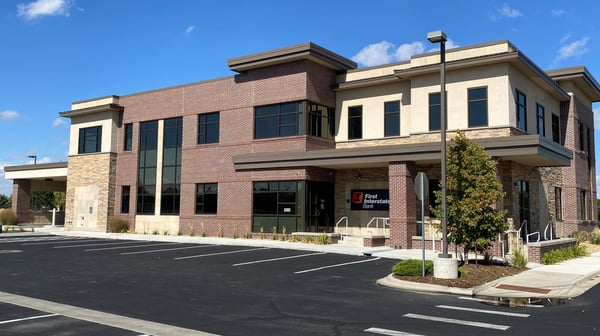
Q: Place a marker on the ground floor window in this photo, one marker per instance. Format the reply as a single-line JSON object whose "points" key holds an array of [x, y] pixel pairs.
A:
{"points": [[276, 206], [125, 194], [558, 203], [206, 198]]}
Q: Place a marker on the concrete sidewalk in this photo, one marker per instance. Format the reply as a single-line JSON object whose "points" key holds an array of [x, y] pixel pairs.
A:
{"points": [[564, 280]]}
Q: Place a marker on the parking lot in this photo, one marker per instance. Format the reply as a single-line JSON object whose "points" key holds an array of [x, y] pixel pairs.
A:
{"points": [[75, 286]]}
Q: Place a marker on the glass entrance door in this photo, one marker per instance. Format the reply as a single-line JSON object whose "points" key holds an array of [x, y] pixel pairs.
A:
{"points": [[320, 209]]}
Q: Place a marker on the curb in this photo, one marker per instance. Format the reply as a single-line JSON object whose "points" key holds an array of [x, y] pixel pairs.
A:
{"points": [[390, 281]]}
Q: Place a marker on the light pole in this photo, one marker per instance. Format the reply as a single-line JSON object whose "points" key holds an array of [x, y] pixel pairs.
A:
{"points": [[34, 157], [440, 37]]}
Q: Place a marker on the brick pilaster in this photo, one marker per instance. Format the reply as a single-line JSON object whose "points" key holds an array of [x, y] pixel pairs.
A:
{"points": [[403, 204]]}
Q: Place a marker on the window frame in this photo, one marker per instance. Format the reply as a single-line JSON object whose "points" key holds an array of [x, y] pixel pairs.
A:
{"points": [[355, 122], [200, 207], [558, 203], [125, 198], [540, 116], [556, 136], [435, 111], [521, 111], [94, 138], [128, 137], [207, 134], [282, 121], [391, 118], [473, 106]]}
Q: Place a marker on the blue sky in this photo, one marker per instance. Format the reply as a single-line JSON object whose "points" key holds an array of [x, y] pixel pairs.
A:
{"points": [[55, 52]]}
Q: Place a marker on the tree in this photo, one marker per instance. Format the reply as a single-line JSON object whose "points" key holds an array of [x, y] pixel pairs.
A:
{"points": [[5, 201], [472, 192]]}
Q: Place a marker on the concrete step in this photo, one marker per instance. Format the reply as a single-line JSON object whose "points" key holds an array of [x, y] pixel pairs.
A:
{"points": [[351, 241]]}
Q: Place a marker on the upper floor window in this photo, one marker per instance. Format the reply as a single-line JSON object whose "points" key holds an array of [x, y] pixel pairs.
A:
{"points": [[435, 119], [391, 118], [128, 139], [320, 121], [478, 110], [208, 128], [355, 122], [171, 166], [555, 128], [521, 111], [278, 120], [90, 140], [541, 119]]}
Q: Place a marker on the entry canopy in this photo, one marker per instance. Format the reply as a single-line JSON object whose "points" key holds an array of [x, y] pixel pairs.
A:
{"points": [[55, 171]]}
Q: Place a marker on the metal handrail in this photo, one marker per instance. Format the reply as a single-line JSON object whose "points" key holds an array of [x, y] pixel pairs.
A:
{"points": [[385, 222], [337, 225], [523, 225], [533, 234], [548, 225]]}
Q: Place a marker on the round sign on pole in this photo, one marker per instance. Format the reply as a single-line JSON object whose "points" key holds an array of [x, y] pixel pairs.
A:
{"points": [[422, 186]]}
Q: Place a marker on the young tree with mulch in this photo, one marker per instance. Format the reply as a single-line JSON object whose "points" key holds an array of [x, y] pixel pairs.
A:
{"points": [[472, 191]]}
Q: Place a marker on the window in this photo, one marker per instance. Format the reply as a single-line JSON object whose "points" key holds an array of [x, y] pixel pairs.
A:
{"points": [[582, 204], [208, 128], [582, 137], [555, 128], [355, 122], [391, 112], [90, 140], [171, 168], [146, 192], [558, 213], [435, 119], [275, 205], [125, 193], [521, 111], [206, 198], [478, 110], [127, 142], [320, 121], [278, 120], [541, 119]]}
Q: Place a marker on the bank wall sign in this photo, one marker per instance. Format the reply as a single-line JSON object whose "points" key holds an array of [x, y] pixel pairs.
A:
{"points": [[370, 199]]}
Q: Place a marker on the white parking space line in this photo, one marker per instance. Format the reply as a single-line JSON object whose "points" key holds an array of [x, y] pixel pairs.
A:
{"points": [[28, 318], [89, 245], [389, 332], [169, 249], [484, 311], [62, 241], [128, 247], [455, 321], [337, 265], [221, 253], [496, 302], [277, 259]]}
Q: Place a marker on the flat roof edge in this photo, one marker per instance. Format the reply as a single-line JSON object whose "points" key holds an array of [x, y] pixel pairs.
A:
{"points": [[38, 166]]}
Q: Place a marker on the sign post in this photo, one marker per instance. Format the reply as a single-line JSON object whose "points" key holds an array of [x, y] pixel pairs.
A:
{"points": [[422, 191]]}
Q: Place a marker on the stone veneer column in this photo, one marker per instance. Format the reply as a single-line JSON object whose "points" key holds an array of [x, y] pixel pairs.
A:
{"points": [[94, 175], [403, 204], [21, 196]]}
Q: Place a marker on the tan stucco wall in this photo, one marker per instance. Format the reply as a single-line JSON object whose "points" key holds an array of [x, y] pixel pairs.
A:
{"points": [[109, 123]]}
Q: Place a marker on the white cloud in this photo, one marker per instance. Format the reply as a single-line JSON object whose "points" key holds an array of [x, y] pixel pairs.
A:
{"points": [[8, 115], [190, 29], [558, 12], [374, 54], [573, 49], [406, 50], [386, 52], [39, 8], [58, 122], [505, 12]]}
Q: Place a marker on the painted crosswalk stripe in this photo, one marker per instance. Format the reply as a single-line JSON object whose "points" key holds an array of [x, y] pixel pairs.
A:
{"points": [[484, 311], [455, 321], [337, 265], [221, 253], [277, 259], [28, 318], [389, 332]]}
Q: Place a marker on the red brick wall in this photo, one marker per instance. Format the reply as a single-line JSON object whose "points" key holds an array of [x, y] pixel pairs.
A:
{"points": [[402, 204]]}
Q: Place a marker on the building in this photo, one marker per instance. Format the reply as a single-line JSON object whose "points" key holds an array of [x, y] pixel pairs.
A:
{"points": [[300, 140]]}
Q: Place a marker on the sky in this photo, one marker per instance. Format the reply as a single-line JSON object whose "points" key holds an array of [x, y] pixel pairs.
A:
{"points": [[55, 52]]}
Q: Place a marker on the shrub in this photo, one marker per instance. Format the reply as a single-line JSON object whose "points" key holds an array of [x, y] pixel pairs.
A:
{"points": [[412, 267], [518, 260], [563, 254], [323, 239], [8, 217], [118, 225]]}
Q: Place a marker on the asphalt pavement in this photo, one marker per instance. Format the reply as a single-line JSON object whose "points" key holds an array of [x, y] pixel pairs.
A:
{"points": [[568, 279]]}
